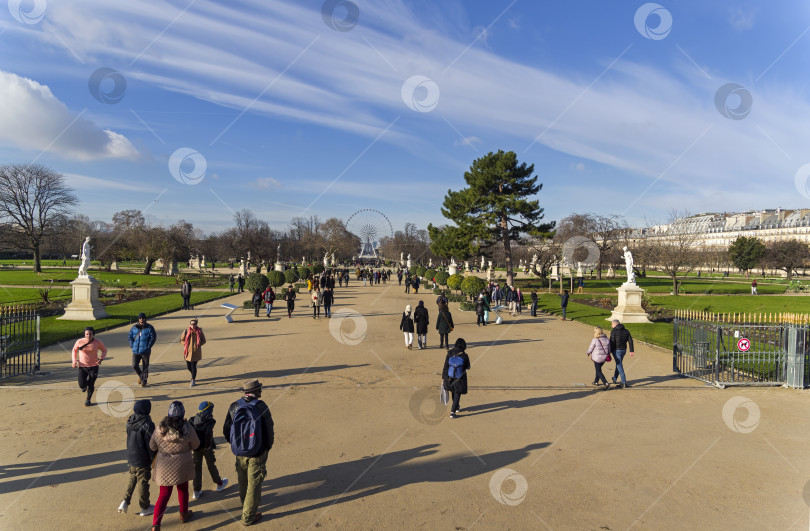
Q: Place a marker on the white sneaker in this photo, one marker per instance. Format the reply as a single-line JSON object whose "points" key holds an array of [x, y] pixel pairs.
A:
{"points": [[193, 383], [196, 495], [223, 486], [146, 512], [123, 507]]}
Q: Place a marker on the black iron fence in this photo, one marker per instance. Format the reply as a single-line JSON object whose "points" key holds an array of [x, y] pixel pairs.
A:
{"points": [[19, 341], [742, 349]]}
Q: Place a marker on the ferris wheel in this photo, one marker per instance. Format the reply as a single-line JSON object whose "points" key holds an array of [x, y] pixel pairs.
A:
{"points": [[370, 226]]}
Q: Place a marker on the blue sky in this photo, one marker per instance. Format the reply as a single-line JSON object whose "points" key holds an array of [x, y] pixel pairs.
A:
{"points": [[312, 107]]}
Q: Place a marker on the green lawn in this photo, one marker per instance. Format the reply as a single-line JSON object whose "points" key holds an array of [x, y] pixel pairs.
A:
{"points": [[663, 285], [737, 304], [31, 295], [54, 330], [112, 278], [656, 333]]}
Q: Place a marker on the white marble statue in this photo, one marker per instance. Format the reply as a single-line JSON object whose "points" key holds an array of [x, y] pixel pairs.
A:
{"points": [[85, 258], [482, 262], [409, 256], [628, 262]]}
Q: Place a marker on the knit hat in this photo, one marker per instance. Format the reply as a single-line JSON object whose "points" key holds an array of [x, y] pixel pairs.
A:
{"points": [[408, 309], [205, 406], [177, 410], [141, 315], [143, 407], [461, 344]]}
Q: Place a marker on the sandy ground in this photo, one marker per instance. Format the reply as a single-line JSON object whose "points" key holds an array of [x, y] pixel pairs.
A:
{"points": [[362, 442]]}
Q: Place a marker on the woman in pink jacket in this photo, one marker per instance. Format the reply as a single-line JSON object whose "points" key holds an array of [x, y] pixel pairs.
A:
{"points": [[599, 352], [85, 358]]}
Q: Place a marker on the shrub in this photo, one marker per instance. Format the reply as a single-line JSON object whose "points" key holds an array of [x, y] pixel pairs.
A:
{"points": [[280, 294], [421, 271], [305, 272], [256, 281], [456, 298], [413, 270], [318, 269], [472, 286], [454, 281], [276, 278], [441, 278], [430, 274], [291, 275], [467, 306]]}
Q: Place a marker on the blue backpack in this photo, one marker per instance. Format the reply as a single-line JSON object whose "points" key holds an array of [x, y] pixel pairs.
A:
{"points": [[456, 367], [246, 429]]}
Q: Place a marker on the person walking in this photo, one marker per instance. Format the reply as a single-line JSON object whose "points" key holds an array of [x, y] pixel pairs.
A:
{"points": [[240, 280], [231, 282], [479, 310], [599, 352], [139, 457], [203, 423], [620, 339], [415, 284], [85, 358], [563, 302], [317, 300], [328, 299], [250, 447], [192, 339], [173, 440], [580, 284], [408, 283], [269, 297], [754, 287], [487, 306], [185, 292], [421, 319], [142, 337], [444, 325], [406, 325], [454, 374], [399, 277], [256, 300], [534, 303], [441, 299], [290, 298]]}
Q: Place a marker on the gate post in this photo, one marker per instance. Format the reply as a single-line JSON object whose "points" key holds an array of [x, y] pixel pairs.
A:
{"points": [[717, 343], [675, 345], [795, 358]]}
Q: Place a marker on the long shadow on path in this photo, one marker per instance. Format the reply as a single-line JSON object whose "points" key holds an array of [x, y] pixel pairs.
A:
{"points": [[345, 482]]}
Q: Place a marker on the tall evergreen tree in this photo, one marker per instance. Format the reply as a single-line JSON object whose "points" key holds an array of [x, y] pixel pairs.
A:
{"points": [[495, 207], [746, 253]]}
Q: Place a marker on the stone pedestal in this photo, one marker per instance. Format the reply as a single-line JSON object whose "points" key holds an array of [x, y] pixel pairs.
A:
{"points": [[489, 274], [114, 265], [466, 266], [243, 267], [629, 309], [279, 267], [85, 305], [408, 264], [453, 269]]}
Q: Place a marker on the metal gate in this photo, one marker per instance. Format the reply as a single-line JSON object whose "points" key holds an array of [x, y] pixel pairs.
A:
{"points": [[19, 341], [742, 350]]}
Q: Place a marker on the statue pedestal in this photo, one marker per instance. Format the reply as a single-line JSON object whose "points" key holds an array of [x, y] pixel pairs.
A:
{"points": [[279, 267], [453, 269], [629, 309], [85, 305], [489, 275], [408, 263]]}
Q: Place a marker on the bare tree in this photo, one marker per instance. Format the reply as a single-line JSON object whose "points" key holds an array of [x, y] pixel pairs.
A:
{"points": [[788, 255], [605, 231], [675, 248], [32, 197]]}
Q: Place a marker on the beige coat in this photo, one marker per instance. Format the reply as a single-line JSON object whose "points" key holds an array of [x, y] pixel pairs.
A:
{"points": [[173, 463], [195, 351]]}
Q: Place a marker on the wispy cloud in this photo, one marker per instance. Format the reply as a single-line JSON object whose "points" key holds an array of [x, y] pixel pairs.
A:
{"points": [[741, 19], [84, 182], [264, 183]]}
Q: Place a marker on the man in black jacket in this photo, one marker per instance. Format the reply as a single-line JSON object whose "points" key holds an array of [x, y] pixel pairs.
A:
{"points": [[619, 339], [251, 471], [139, 457]]}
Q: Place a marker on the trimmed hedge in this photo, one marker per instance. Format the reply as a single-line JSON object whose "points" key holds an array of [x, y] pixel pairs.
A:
{"points": [[472, 286], [454, 281], [276, 278], [291, 276], [256, 281], [441, 278]]}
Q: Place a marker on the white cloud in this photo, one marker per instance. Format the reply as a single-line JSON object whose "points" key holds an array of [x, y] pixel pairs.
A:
{"points": [[84, 182], [33, 118], [467, 141], [741, 20], [264, 183]]}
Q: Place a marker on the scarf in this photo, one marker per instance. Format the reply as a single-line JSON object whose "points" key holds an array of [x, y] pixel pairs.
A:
{"points": [[192, 341]]}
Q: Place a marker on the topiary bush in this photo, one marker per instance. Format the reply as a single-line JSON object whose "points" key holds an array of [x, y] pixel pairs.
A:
{"points": [[467, 306], [441, 278], [318, 269], [420, 271], [305, 272], [256, 281], [291, 276], [281, 293], [413, 269], [472, 286], [276, 278], [430, 274], [454, 281]]}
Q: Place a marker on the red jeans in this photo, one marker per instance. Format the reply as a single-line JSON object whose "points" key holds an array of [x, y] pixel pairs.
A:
{"points": [[163, 500]]}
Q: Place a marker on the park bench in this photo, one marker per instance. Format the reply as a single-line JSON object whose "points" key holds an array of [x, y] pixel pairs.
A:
{"points": [[231, 308]]}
